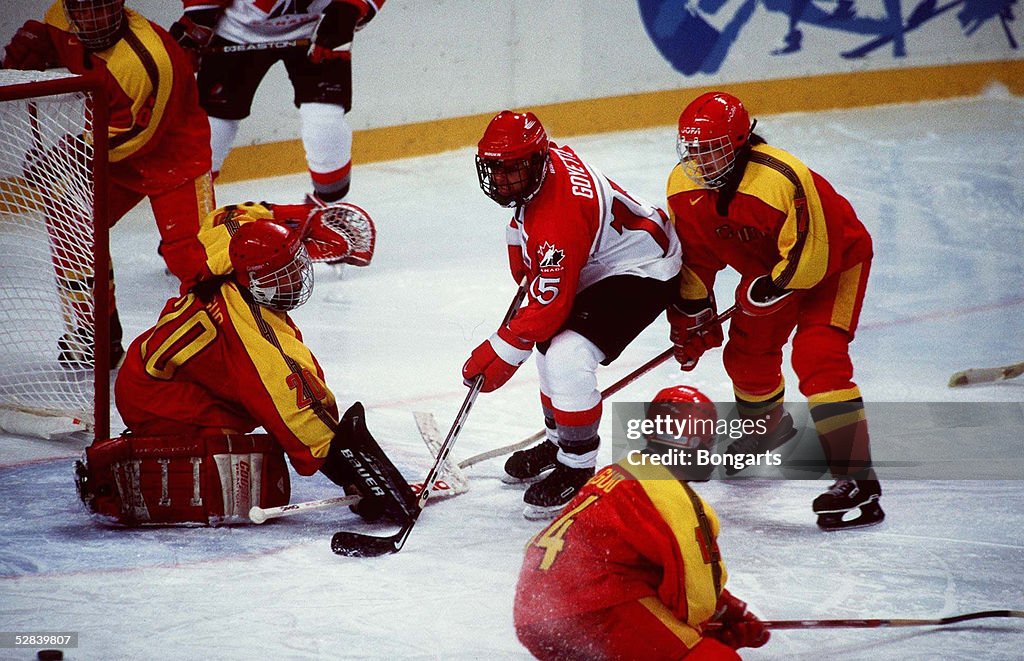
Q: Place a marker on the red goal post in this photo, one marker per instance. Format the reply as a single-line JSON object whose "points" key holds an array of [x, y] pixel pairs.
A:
{"points": [[54, 255]]}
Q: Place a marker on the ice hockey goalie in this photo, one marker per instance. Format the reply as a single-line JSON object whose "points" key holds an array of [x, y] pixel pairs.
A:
{"points": [[161, 480]]}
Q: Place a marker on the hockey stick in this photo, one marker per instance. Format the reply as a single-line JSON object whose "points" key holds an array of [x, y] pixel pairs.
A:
{"points": [[266, 45], [358, 545], [975, 375], [882, 623], [259, 514], [605, 394]]}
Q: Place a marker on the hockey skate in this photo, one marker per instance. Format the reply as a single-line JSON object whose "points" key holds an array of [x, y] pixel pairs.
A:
{"points": [[845, 496], [545, 499], [757, 443], [528, 465]]}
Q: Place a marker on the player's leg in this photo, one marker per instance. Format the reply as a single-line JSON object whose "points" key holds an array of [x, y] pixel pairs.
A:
{"points": [[530, 464], [605, 318], [821, 359], [753, 359], [323, 95], [227, 83]]}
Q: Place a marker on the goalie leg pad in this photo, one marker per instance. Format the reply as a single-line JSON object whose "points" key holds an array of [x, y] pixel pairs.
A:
{"points": [[161, 480]]}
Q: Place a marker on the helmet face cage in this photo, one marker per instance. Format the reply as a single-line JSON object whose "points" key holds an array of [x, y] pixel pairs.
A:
{"points": [[98, 24], [512, 182], [285, 288], [706, 162]]}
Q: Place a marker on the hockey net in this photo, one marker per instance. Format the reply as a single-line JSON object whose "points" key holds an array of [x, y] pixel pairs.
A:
{"points": [[53, 380]]}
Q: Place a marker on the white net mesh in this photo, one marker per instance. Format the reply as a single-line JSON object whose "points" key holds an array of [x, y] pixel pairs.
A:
{"points": [[46, 250]]}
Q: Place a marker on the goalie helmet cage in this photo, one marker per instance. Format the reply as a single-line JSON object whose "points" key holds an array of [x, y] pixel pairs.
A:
{"points": [[54, 254]]}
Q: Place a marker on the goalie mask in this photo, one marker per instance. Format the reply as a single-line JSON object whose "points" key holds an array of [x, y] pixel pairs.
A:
{"points": [[712, 130], [512, 158], [273, 264], [98, 24]]}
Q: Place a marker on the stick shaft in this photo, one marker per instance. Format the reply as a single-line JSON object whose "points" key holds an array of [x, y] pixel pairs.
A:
{"points": [[892, 622], [263, 514], [266, 45]]}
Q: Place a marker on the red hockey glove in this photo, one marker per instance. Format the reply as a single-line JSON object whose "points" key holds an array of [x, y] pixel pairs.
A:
{"points": [[194, 31], [497, 359], [694, 331], [739, 627], [31, 48], [759, 296], [333, 40]]}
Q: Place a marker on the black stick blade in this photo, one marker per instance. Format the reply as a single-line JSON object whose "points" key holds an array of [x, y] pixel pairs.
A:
{"points": [[357, 545]]}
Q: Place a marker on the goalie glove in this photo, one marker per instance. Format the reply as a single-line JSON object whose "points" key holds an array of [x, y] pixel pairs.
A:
{"points": [[334, 31], [341, 233], [760, 296]]}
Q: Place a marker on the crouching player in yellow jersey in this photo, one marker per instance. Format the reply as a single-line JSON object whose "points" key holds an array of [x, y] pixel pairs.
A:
{"points": [[225, 358], [631, 569]]}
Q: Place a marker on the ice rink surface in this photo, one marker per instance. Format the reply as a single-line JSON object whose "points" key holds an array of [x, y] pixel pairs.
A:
{"points": [[939, 186]]}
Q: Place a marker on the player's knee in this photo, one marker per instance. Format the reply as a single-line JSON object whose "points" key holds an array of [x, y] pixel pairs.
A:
{"points": [[570, 370], [821, 360], [752, 372]]}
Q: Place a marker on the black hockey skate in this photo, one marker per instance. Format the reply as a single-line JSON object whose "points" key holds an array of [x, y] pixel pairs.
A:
{"points": [[757, 443], [528, 465], [845, 496], [545, 499]]}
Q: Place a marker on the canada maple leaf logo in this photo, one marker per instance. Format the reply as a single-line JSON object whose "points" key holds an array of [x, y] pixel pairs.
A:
{"points": [[550, 256]]}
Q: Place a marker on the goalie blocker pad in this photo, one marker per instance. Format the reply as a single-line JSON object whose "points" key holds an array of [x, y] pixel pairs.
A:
{"points": [[162, 480], [356, 461]]}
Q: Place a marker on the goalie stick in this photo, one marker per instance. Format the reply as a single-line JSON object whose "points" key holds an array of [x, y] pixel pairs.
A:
{"points": [[357, 545], [605, 394], [970, 377], [881, 623]]}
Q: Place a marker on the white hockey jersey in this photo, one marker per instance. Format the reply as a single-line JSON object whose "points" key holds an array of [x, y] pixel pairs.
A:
{"points": [[261, 21], [581, 228]]}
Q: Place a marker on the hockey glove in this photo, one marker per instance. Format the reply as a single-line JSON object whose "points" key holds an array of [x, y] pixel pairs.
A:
{"points": [[31, 49], [759, 296], [694, 330], [497, 359], [333, 40], [738, 626], [194, 30]]}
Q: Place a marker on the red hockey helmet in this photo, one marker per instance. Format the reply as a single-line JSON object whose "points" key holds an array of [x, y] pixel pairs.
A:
{"points": [[272, 263], [693, 417], [98, 24], [512, 158], [712, 129]]}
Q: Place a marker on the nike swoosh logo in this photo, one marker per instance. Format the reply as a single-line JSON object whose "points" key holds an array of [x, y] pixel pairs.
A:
{"points": [[696, 200]]}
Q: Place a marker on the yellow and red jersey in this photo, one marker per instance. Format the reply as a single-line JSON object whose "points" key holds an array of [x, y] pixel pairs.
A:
{"points": [[217, 360], [785, 220], [158, 136], [631, 535]]}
